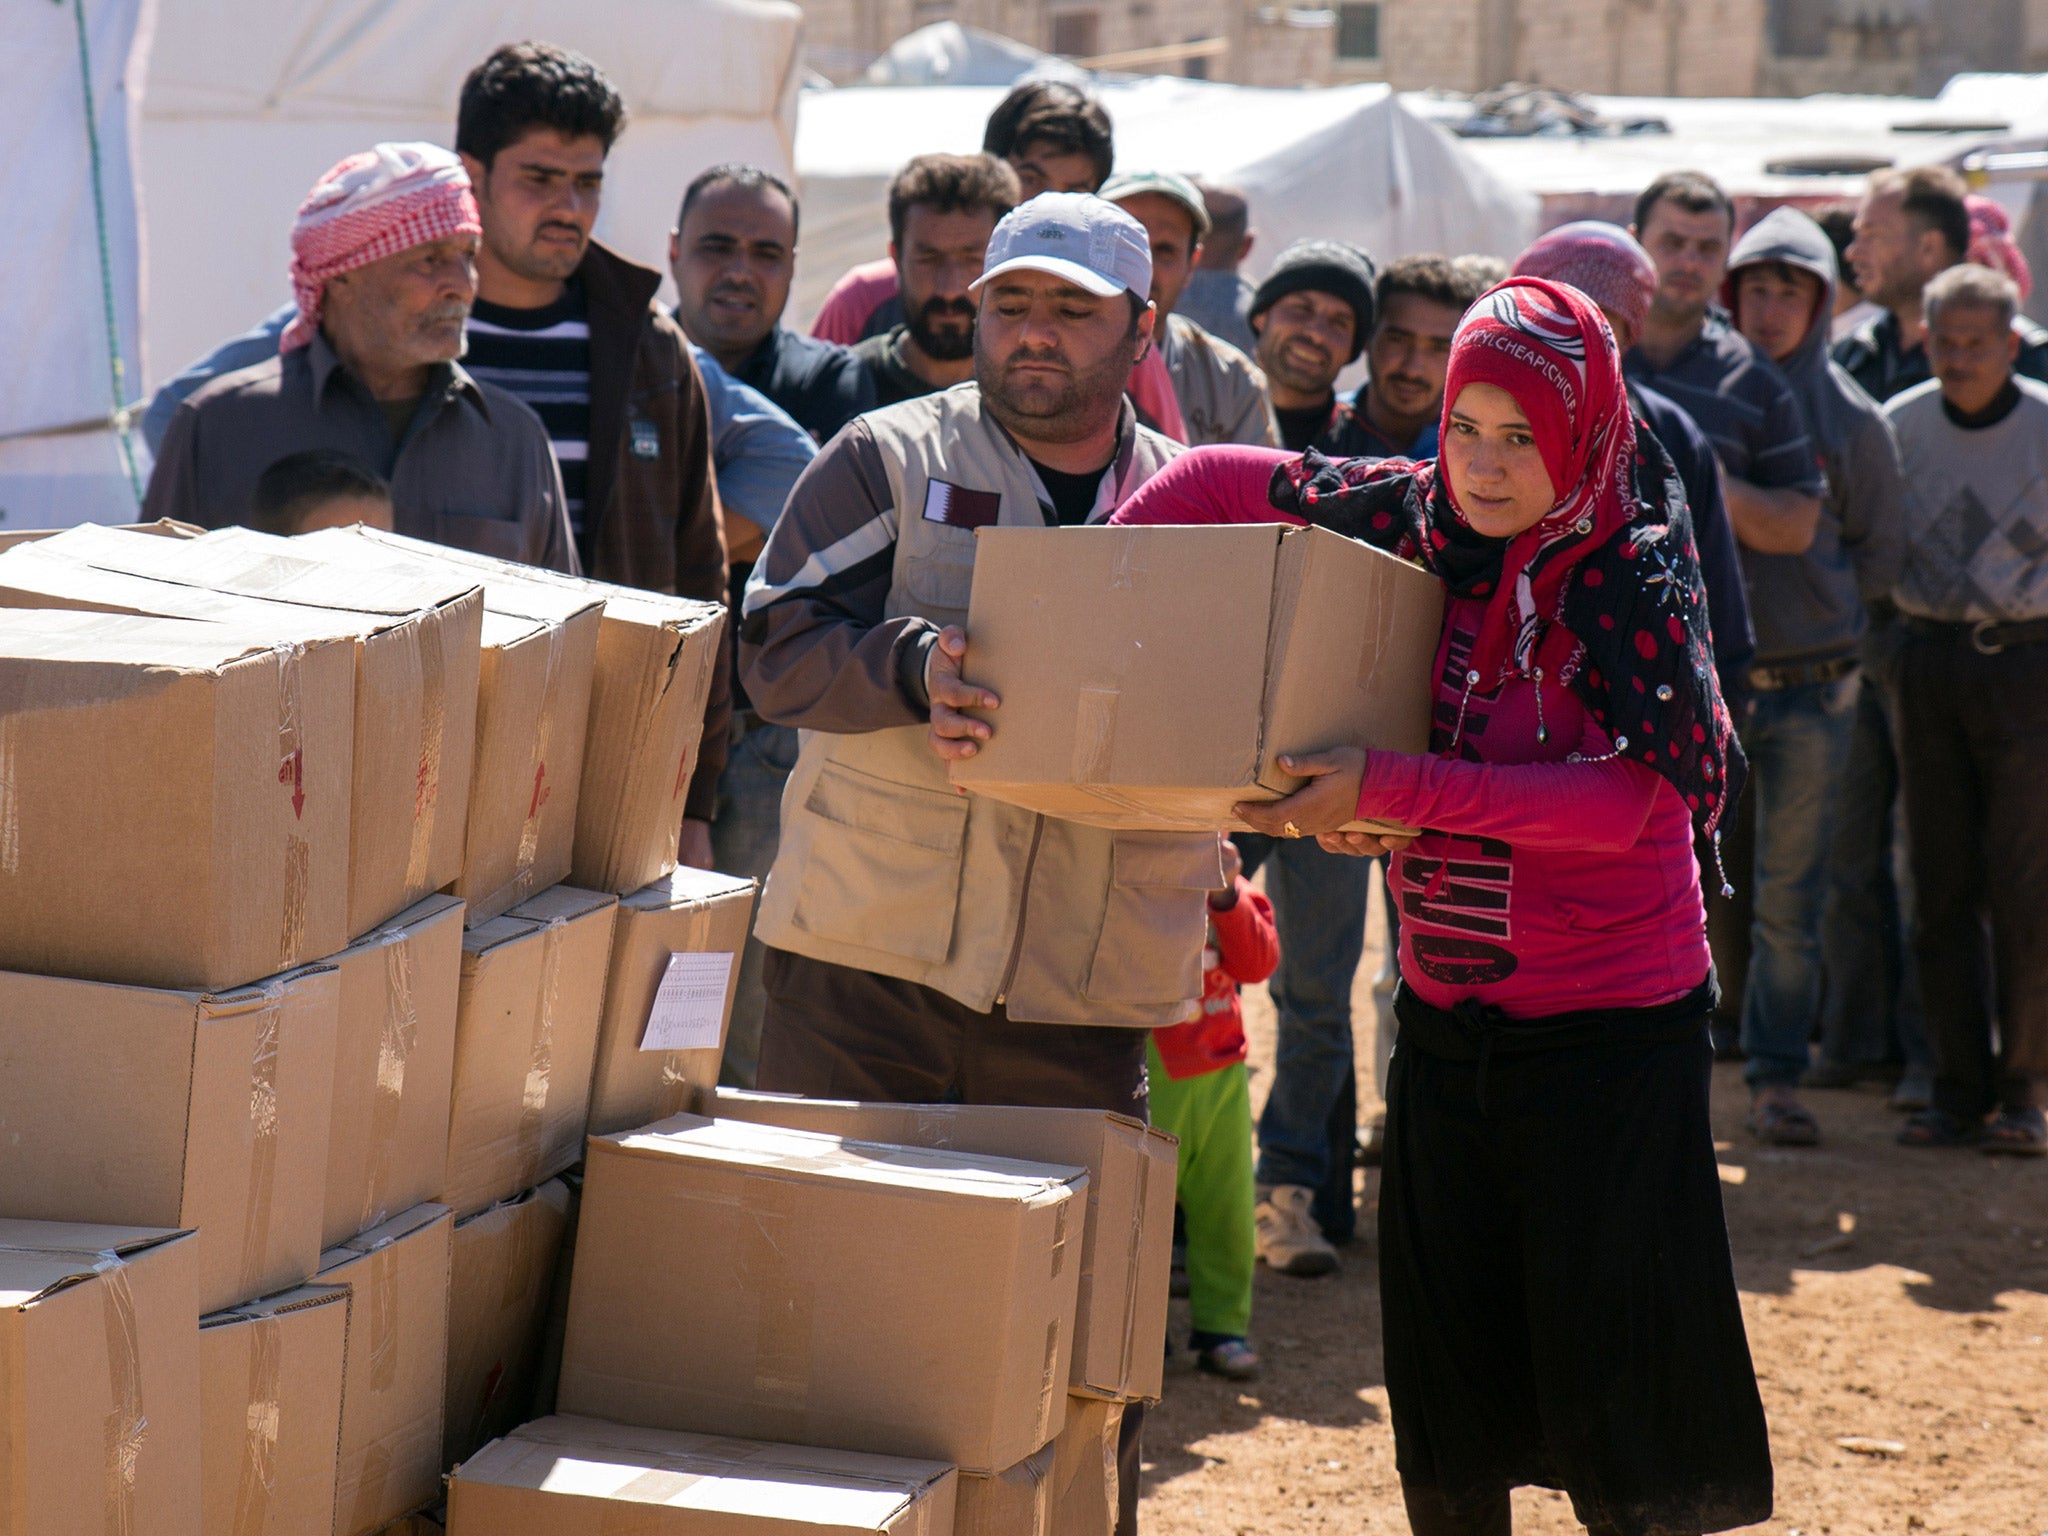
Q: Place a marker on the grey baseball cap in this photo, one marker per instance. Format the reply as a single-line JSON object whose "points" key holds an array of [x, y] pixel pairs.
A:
{"points": [[1165, 184], [1093, 244]]}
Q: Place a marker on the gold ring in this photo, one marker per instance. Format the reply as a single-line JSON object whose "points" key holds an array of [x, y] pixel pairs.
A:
{"points": [[1289, 829]]}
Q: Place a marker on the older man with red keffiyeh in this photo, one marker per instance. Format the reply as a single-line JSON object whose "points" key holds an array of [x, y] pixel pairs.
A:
{"points": [[383, 274], [1558, 1303]]}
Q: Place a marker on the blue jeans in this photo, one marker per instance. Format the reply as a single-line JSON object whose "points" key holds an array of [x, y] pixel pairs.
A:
{"points": [[1872, 1012], [1319, 902], [1798, 745], [743, 842]]}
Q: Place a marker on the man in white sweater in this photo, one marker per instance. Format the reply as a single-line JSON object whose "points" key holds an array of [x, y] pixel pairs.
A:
{"points": [[1973, 714]]}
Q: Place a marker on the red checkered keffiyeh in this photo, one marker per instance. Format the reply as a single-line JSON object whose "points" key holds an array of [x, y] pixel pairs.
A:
{"points": [[372, 205]]}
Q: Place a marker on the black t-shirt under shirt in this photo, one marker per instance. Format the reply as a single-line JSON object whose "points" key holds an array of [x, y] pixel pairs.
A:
{"points": [[1300, 428], [1073, 496]]}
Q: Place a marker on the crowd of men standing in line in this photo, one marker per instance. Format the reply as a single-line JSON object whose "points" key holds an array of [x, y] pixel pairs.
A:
{"points": [[1851, 404]]}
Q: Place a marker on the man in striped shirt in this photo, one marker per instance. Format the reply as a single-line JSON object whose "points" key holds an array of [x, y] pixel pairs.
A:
{"points": [[572, 329]]}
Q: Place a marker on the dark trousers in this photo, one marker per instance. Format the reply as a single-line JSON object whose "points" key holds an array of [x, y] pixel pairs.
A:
{"points": [[1309, 1129], [1871, 1012], [833, 1032], [1973, 736]]}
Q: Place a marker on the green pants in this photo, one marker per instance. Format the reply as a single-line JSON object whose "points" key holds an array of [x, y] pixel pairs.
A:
{"points": [[1212, 1116]]}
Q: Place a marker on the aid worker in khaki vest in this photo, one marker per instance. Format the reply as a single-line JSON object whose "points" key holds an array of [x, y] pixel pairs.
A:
{"points": [[925, 945]]}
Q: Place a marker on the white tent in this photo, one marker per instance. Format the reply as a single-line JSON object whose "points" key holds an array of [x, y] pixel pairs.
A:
{"points": [[65, 266], [235, 107], [1350, 162]]}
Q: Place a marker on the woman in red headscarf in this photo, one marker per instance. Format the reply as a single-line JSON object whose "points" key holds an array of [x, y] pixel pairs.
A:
{"points": [[1558, 1302]]}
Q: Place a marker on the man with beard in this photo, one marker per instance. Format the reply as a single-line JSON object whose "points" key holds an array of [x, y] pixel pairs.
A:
{"points": [[383, 274], [942, 210], [733, 254], [926, 946]]}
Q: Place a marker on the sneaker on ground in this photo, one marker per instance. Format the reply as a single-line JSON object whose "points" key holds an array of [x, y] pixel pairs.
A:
{"points": [[1232, 1359], [1289, 1239], [1915, 1091]]}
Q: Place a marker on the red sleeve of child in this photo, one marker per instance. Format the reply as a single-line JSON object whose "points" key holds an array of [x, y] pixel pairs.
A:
{"points": [[1222, 483], [1245, 937]]}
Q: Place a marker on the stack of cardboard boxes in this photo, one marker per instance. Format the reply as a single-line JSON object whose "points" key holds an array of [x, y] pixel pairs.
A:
{"points": [[359, 1039], [298, 1020]]}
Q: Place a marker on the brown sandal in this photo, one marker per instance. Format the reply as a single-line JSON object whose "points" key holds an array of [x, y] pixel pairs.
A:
{"points": [[1783, 1125], [2016, 1133]]}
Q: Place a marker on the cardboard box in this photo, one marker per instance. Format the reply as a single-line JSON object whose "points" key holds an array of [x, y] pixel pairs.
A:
{"points": [[394, 1068], [539, 652], [415, 685], [656, 655], [665, 1018], [1016, 1501], [154, 1108], [504, 1275], [749, 1280], [1126, 1244], [1085, 1479], [1152, 677], [174, 799], [270, 1413], [1067, 1488], [168, 526], [525, 1037], [395, 1369], [571, 1476], [99, 1327]]}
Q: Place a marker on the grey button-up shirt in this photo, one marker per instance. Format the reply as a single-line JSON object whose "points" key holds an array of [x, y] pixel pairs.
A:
{"points": [[474, 469]]}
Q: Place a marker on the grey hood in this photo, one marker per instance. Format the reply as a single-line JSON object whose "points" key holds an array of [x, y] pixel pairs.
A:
{"points": [[1787, 235], [1811, 606]]}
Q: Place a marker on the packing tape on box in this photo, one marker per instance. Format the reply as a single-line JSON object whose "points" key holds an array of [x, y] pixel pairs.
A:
{"points": [[540, 1070], [127, 1426], [396, 1039], [382, 1264], [369, 1512], [784, 1291], [529, 831], [1094, 734], [291, 772], [10, 799], [433, 718], [258, 1482], [269, 1026], [1134, 1262]]}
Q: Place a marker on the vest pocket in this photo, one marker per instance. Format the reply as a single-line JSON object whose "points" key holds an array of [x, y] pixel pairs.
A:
{"points": [[883, 867], [1150, 948]]}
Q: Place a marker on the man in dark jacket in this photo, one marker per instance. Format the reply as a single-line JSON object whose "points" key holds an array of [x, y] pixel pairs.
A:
{"points": [[1809, 607], [733, 256], [1909, 226], [573, 329]]}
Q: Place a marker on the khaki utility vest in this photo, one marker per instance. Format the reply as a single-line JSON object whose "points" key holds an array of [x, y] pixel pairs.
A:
{"points": [[885, 867]]}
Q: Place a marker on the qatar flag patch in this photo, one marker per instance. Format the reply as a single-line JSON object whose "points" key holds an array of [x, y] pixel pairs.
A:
{"points": [[958, 507]]}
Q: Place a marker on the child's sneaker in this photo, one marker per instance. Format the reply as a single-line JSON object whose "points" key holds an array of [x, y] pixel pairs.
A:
{"points": [[1232, 1359]]}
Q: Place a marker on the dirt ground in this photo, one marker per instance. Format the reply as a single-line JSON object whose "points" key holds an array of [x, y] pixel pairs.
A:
{"points": [[1892, 1296]]}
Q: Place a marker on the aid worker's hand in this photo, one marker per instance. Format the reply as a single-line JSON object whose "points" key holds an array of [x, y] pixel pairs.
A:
{"points": [[694, 847], [1364, 845], [954, 735], [1323, 804]]}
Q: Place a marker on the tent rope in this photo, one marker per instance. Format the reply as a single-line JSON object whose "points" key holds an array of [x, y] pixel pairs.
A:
{"points": [[121, 418]]}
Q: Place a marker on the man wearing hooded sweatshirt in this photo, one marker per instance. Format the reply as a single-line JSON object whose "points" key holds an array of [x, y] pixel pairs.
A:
{"points": [[1808, 607]]}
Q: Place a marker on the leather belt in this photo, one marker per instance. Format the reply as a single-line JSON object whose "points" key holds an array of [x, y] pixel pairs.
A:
{"points": [[1987, 637], [1803, 675]]}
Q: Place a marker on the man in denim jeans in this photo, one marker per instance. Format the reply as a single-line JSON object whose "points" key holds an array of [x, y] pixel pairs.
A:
{"points": [[1308, 1127], [1807, 597]]}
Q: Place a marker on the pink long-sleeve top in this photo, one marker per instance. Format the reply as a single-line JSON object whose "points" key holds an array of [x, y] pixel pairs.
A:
{"points": [[1539, 885]]}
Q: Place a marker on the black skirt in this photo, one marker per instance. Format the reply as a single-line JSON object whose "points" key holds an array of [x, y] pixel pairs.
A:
{"points": [[1558, 1300]]}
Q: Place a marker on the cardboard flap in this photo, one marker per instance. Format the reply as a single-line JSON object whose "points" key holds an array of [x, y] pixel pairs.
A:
{"points": [[39, 1258], [808, 1154]]}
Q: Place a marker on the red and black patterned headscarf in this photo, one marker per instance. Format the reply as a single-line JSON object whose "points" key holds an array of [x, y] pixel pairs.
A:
{"points": [[1613, 564]]}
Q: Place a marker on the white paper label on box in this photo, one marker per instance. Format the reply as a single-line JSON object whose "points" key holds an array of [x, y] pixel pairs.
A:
{"points": [[689, 1006]]}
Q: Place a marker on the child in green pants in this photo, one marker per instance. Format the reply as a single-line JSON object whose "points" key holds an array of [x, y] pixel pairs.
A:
{"points": [[1201, 1093]]}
